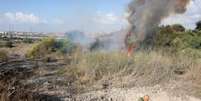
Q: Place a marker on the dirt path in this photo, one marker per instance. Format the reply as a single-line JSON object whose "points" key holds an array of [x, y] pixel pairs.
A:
{"points": [[156, 93]]}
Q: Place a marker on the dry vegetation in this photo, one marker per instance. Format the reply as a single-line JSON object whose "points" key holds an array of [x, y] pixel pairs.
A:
{"points": [[3, 55], [91, 70]]}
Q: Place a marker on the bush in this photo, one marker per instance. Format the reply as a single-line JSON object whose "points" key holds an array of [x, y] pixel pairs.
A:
{"points": [[164, 36], [64, 46], [42, 48], [9, 44], [50, 45], [3, 55], [177, 39], [178, 28], [191, 52], [27, 40]]}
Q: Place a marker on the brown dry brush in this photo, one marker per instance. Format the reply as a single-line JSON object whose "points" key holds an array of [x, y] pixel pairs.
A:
{"points": [[12, 88], [144, 68]]}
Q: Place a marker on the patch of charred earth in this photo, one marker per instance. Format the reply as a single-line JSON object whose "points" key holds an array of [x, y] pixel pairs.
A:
{"points": [[12, 86]]}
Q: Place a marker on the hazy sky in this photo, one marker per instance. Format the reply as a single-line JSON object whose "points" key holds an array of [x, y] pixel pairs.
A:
{"points": [[85, 15]]}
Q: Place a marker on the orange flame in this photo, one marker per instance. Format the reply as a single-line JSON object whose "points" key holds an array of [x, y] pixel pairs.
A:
{"points": [[130, 50], [130, 46]]}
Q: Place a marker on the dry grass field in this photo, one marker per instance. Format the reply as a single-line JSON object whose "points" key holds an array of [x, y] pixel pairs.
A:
{"points": [[84, 74]]}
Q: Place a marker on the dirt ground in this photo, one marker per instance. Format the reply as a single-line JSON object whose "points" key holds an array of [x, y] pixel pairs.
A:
{"points": [[156, 93]]}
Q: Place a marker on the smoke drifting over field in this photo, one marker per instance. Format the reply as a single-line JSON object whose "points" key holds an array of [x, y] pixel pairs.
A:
{"points": [[145, 15]]}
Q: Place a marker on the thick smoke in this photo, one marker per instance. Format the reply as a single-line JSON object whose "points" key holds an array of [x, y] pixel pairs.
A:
{"points": [[145, 15]]}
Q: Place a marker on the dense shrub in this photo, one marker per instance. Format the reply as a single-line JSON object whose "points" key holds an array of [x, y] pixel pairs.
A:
{"points": [[177, 38], [195, 53], [28, 40], [48, 46], [9, 44], [164, 36], [3, 55], [64, 46], [178, 28], [42, 48]]}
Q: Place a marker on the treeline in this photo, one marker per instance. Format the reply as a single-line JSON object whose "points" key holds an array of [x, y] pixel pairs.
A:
{"points": [[177, 37], [174, 39]]}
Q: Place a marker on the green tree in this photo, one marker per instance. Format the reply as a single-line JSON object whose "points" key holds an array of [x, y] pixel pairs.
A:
{"points": [[176, 38], [178, 28]]}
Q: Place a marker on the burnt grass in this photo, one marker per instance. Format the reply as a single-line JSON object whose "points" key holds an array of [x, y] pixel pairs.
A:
{"points": [[12, 88]]}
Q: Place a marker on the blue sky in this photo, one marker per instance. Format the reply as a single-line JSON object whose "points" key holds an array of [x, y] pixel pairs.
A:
{"points": [[62, 15], [86, 15], [54, 8]]}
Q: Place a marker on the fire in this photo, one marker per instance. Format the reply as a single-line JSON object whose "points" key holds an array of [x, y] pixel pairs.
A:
{"points": [[130, 45], [142, 25], [130, 50]]}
